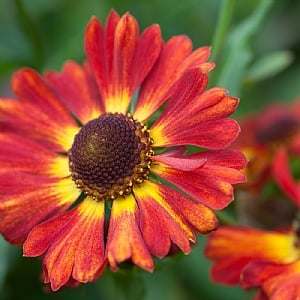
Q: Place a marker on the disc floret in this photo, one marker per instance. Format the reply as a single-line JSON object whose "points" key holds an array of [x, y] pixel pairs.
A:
{"points": [[109, 155]]}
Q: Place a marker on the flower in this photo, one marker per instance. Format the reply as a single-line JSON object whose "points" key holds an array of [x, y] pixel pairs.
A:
{"points": [[89, 160], [254, 258], [263, 132], [265, 259]]}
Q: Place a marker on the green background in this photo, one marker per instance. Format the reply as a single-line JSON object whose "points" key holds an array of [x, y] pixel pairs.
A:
{"points": [[259, 62]]}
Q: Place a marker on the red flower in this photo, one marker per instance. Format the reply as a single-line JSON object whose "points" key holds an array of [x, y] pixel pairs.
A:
{"points": [[253, 258], [262, 134], [269, 260], [78, 142]]}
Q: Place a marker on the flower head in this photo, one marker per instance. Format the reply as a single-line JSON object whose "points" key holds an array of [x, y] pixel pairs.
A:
{"points": [[90, 161], [267, 260], [263, 133], [255, 258]]}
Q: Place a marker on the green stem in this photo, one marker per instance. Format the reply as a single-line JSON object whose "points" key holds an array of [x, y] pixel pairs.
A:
{"points": [[222, 28]]}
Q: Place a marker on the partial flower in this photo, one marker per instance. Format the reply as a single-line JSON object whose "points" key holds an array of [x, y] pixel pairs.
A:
{"points": [[93, 171], [254, 258], [263, 132]]}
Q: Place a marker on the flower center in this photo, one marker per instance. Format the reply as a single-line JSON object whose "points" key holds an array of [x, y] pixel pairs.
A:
{"points": [[279, 130], [109, 155]]}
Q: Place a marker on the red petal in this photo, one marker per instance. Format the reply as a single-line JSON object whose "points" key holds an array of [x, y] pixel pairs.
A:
{"points": [[77, 88], [26, 200], [224, 158], [278, 281], [19, 154], [29, 121], [118, 58], [225, 164], [197, 118], [30, 88], [167, 217], [74, 243], [228, 271], [211, 182], [234, 248], [173, 61], [109, 41], [283, 177], [160, 224], [287, 288], [124, 239], [95, 51], [180, 163]]}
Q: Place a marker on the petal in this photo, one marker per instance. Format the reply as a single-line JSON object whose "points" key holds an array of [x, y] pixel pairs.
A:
{"points": [[117, 57], [174, 60], [180, 163], [211, 182], [73, 243], [20, 154], [28, 120], [229, 271], [287, 288], [197, 118], [132, 70], [29, 87], [283, 177], [257, 272], [225, 164], [212, 135], [124, 239], [77, 88], [233, 248], [278, 281], [236, 241], [224, 158], [27, 200], [107, 45], [167, 217]]}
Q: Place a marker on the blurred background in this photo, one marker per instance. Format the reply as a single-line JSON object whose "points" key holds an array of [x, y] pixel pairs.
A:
{"points": [[259, 62]]}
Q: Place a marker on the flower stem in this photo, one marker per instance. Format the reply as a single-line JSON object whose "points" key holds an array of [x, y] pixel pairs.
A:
{"points": [[222, 27]]}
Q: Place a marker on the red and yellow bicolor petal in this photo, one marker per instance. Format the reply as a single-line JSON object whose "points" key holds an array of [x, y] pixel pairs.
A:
{"points": [[39, 115], [77, 89], [277, 281], [20, 154], [124, 240], [26, 200], [211, 182], [195, 117], [27, 120], [233, 248], [120, 58], [175, 58], [282, 175], [167, 217], [73, 243]]}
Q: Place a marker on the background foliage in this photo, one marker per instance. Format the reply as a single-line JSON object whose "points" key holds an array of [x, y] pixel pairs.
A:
{"points": [[258, 60]]}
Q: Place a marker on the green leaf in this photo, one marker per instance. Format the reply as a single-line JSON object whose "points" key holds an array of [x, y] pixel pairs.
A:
{"points": [[237, 52], [269, 65]]}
